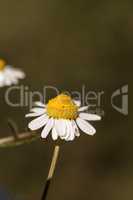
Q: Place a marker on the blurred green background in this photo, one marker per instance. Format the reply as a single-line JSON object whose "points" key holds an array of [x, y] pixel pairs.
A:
{"points": [[67, 44]]}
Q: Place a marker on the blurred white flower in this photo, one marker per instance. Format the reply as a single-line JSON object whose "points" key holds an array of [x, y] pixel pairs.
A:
{"points": [[9, 75], [63, 117]]}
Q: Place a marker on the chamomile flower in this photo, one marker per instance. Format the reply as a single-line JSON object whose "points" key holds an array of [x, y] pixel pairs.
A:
{"points": [[63, 117], [9, 75]]}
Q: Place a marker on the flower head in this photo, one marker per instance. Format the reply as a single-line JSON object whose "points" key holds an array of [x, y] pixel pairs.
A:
{"points": [[9, 75], [2, 64], [62, 107], [63, 117]]}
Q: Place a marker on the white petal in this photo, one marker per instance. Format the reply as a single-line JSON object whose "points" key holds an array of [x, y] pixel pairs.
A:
{"points": [[89, 117], [70, 131], [65, 134], [33, 115], [83, 108], [63, 128], [38, 122], [54, 134], [38, 110], [67, 131], [1, 83], [8, 71], [85, 126], [40, 104], [1, 79], [10, 75], [18, 73], [76, 129], [14, 80], [60, 127], [47, 128], [77, 102], [7, 81], [1, 76]]}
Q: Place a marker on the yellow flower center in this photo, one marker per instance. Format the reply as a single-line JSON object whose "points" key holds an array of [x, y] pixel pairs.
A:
{"points": [[62, 107], [2, 64]]}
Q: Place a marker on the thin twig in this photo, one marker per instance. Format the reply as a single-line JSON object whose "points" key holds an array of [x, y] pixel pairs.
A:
{"points": [[14, 128], [21, 139], [51, 172]]}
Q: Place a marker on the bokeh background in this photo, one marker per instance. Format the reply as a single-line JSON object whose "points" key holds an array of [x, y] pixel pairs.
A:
{"points": [[67, 44]]}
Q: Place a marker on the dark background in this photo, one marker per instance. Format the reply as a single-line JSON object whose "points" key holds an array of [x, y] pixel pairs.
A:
{"points": [[67, 44]]}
